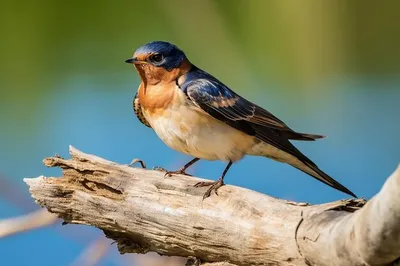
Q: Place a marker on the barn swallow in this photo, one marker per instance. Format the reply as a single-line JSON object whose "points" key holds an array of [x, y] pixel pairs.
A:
{"points": [[194, 113]]}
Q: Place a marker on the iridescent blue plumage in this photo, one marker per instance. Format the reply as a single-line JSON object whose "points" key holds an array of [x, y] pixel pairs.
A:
{"points": [[211, 94], [173, 56]]}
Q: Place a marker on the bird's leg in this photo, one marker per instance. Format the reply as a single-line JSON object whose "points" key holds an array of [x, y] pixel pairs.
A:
{"points": [[214, 185], [183, 169]]}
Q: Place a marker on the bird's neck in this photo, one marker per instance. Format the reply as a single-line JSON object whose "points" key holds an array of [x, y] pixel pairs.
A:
{"points": [[155, 76], [159, 88]]}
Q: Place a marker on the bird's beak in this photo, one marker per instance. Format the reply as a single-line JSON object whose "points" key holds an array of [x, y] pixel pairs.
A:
{"points": [[132, 60], [135, 61]]}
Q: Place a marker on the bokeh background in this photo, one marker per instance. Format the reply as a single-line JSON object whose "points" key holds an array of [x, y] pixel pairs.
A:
{"points": [[328, 67]]}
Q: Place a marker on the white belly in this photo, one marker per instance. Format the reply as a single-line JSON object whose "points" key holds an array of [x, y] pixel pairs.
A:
{"points": [[190, 131]]}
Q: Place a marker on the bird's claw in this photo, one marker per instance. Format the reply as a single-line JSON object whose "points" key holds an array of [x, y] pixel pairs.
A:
{"points": [[170, 173], [159, 168], [193, 261], [214, 186], [178, 172], [138, 161]]}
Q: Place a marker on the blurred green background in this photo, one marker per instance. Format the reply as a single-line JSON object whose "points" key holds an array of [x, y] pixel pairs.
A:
{"points": [[328, 67]]}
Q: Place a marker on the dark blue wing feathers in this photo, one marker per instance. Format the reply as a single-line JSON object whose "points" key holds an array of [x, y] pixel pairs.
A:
{"points": [[205, 95], [220, 102], [209, 93]]}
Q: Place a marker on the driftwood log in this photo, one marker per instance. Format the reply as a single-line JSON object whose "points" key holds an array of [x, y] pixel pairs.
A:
{"points": [[143, 212]]}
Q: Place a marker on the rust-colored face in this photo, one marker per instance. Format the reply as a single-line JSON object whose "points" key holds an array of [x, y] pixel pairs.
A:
{"points": [[152, 74], [147, 71], [159, 62]]}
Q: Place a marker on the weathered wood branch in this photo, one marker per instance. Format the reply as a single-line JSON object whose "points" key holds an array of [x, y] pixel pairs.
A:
{"points": [[143, 211]]}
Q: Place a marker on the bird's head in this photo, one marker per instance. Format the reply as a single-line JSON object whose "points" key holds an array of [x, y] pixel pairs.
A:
{"points": [[159, 61]]}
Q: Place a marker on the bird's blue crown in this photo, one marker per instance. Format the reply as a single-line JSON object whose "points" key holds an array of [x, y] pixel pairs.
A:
{"points": [[172, 55]]}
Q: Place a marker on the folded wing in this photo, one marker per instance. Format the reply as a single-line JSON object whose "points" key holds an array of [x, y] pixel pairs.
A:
{"points": [[221, 102], [214, 98]]}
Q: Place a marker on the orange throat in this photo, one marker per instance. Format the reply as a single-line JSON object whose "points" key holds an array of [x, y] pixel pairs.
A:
{"points": [[158, 88]]}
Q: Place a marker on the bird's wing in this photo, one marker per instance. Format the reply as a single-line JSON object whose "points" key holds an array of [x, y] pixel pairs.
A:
{"points": [[221, 102], [138, 111]]}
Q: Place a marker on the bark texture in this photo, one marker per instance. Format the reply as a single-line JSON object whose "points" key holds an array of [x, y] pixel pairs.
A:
{"points": [[143, 211]]}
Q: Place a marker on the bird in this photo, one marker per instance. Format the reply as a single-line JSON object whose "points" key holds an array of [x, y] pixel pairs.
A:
{"points": [[194, 113]]}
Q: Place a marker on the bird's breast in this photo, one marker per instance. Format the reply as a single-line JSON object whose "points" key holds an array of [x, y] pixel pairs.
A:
{"points": [[155, 99], [185, 128]]}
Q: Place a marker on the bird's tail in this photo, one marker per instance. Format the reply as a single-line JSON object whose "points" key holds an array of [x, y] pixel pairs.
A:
{"points": [[310, 168], [301, 136]]}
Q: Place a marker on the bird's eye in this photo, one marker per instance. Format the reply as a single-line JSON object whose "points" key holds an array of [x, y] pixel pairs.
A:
{"points": [[156, 58]]}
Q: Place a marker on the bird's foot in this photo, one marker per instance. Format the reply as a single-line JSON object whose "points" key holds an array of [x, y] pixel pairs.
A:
{"points": [[177, 172], [159, 168], [170, 173], [214, 186], [193, 261], [138, 161]]}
